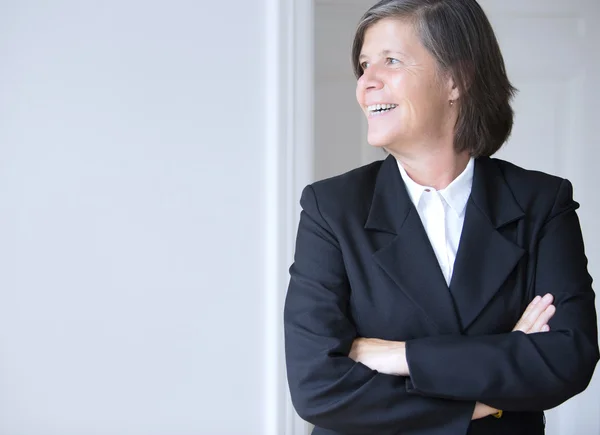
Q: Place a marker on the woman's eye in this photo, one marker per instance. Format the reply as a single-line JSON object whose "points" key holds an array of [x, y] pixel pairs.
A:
{"points": [[393, 61], [364, 65]]}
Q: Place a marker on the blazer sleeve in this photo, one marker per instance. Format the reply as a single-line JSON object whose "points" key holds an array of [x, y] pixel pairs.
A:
{"points": [[516, 371], [328, 389]]}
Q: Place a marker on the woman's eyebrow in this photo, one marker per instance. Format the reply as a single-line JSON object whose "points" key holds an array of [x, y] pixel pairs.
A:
{"points": [[382, 53]]}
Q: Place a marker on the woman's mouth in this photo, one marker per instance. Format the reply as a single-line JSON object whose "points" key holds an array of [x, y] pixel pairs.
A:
{"points": [[380, 109]]}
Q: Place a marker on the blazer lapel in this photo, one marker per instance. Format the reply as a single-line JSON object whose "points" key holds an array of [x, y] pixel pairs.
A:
{"points": [[409, 259], [485, 257]]}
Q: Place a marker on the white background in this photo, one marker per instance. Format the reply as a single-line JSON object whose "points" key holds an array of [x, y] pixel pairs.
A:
{"points": [[133, 149]]}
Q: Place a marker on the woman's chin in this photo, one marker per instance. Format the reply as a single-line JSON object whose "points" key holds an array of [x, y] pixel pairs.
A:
{"points": [[380, 141], [378, 145]]}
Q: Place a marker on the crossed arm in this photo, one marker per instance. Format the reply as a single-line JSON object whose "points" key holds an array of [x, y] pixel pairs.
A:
{"points": [[389, 357]]}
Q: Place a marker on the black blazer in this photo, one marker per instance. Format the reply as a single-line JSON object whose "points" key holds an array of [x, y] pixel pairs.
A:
{"points": [[364, 267]]}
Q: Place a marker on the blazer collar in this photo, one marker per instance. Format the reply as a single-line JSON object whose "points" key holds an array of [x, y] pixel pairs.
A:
{"points": [[392, 202], [456, 194], [484, 260], [492, 194]]}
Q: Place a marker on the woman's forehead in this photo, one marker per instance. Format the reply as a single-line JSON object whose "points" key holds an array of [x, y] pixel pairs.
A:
{"points": [[389, 36]]}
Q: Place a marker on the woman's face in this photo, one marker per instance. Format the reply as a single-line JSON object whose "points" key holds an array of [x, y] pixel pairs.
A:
{"points": [[402, 76]]}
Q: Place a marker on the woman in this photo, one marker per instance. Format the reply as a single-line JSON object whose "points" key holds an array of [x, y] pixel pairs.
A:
{"points": [[391, 325]]}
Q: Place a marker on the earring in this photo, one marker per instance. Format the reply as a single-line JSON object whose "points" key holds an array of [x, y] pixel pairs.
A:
{"points": [[451, 102]]}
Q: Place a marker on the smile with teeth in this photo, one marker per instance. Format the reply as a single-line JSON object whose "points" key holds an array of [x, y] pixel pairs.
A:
{"points": [[381, 108]]}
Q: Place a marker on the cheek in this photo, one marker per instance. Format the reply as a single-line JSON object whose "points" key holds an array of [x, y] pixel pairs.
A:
{"points": [[418, 103], [404, 93], [407, 109], [360, 91]]}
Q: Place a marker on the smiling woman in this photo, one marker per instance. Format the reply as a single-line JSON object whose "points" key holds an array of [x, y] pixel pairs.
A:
{"points": [[410, 82], [428, 59], [439, 291]]}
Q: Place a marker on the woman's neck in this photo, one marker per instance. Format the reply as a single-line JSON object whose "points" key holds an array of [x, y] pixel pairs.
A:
{"points": [[436, 169]]}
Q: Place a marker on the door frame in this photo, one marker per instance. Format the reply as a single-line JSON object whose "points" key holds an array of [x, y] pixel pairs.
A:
{"points": [[289, 167]]}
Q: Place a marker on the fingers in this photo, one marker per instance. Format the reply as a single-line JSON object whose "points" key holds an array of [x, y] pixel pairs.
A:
{"points": [[537, 315], [542, 320], [529, 309]]}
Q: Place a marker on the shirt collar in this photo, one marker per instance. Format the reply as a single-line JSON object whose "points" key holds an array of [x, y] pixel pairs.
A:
{"points": [[456, 194]]}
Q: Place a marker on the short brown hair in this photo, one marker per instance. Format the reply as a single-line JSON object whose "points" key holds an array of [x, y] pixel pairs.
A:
{"points": [[460, 37]]}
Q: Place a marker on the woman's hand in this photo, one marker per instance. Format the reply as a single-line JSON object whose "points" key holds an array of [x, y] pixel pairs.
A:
{"points": [[537, 315], [535, 319], [384, 356], [482, 410]]}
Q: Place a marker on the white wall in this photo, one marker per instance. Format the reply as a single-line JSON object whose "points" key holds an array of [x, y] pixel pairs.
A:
{"points": [[131, 217]]}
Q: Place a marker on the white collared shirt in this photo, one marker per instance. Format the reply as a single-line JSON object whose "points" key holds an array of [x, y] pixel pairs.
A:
{"points": [[443, 214]]}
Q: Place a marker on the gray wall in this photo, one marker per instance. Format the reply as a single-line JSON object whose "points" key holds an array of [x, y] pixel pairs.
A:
{"points": [[131, 146]]}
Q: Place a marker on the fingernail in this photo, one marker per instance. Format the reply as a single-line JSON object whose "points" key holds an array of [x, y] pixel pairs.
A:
{"points": [[536, 300], [545, 328], [548, 297]]}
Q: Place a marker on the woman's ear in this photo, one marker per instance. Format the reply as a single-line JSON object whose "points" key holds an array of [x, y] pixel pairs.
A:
{"points": [[459, 79], [453, 90]]}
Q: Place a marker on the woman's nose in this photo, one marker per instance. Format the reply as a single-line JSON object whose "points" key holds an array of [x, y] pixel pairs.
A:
{"points": [[370, 80]]}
